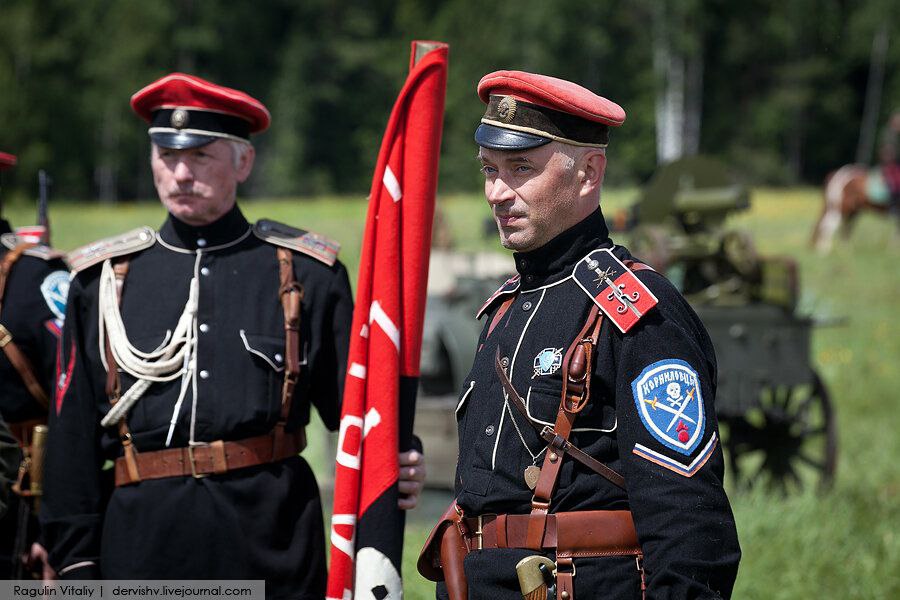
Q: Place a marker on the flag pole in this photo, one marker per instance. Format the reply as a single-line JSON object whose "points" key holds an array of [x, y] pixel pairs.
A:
{"points": [[386, 337]]}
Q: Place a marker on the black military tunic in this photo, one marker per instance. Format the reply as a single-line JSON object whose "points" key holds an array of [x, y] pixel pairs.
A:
{"points": [[682, 515], [261, 522], [33, 310]]}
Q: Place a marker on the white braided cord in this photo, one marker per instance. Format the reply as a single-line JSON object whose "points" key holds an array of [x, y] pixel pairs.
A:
{"points": [[174, 358]]}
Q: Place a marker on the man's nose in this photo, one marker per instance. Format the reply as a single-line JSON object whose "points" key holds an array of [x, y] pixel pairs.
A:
{"points": [[183, 171], [498, 192]]}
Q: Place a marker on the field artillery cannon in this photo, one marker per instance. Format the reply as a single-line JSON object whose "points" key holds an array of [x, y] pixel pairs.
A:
{"points": [[776, 414]]}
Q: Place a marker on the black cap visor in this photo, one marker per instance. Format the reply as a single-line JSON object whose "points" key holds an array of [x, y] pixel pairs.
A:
{"points": [[181, 140], [497, 138]]}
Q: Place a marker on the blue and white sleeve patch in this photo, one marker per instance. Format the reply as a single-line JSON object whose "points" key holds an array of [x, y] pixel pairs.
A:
{"points": [[55, 289], [668, 400]]}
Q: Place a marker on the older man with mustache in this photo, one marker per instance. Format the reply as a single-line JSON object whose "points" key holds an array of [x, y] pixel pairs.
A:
{"points": [[193, 357]]}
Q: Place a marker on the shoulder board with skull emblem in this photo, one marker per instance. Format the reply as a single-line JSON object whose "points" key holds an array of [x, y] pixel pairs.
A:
{"points": [[12, 241], [614, 287], [307, 242], [111, 247], [511, 286]]}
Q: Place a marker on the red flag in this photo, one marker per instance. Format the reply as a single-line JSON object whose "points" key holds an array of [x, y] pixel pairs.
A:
{"points": [[383, 363]]}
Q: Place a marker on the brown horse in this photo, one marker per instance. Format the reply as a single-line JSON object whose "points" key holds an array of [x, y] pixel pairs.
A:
{"points": [[846, 195]]}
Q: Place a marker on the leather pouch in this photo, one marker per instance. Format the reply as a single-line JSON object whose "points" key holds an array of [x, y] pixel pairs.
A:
{"points": [[444, 552]]}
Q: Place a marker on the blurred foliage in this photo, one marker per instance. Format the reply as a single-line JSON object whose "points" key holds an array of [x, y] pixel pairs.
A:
{"points": [[782, 92]]}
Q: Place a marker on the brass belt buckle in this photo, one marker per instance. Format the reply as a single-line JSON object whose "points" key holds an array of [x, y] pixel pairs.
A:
{"points": [[192, 459], [5, 336]]}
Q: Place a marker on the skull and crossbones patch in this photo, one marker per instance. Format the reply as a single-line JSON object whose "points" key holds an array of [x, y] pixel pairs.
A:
{"points": [[668, 399]]}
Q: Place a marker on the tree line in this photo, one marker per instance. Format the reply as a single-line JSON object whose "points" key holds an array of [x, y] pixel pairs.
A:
{"points": [[777, 89]]}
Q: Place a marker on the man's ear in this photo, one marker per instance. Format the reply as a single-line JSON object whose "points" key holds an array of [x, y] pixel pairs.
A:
{"points": [[593, 167], [245, 167]]}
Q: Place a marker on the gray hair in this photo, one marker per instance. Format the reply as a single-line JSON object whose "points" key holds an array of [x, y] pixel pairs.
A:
{"points": [[572, 153], [238, 151]]}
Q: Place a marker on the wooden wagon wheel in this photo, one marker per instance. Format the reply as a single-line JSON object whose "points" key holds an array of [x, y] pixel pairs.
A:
{"points": [[789, 441]]}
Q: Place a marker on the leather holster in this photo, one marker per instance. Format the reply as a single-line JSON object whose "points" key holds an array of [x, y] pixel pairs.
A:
{"points": [[444, 553]]}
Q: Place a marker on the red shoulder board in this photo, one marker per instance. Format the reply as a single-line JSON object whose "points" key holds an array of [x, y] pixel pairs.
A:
{"points": [[614, 288], [511, 286]]}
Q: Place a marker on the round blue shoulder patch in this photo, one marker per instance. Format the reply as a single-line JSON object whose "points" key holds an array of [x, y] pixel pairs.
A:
{"points": [[668, 399], [55, 289]]}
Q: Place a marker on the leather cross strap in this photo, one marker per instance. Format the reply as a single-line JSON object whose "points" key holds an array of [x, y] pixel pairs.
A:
{"points": [[556, 442], [213, 458], [577, 368], [577, 365], [291, 294], [15, 356], [21, 364], [218, 456], [499, 314], [571, 534]]}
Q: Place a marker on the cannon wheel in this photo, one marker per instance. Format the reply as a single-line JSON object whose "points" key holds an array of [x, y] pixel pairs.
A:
{"points": [[788, 442]]}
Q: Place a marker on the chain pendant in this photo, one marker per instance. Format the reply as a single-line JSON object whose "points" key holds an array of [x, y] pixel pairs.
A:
{"points": [[532, 474]]}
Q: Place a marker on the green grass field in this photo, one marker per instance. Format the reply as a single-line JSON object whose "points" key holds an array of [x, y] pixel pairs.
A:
{"points": [[841, 544]]}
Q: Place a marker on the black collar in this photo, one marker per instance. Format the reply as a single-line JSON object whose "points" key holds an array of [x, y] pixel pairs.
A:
{"points": [[5, 227], [554, 260], [228, 228]]}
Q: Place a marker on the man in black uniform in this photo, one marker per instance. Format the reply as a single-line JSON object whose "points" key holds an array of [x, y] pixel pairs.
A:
{"points": [[193, 357], [33, 285], [587, 424]]}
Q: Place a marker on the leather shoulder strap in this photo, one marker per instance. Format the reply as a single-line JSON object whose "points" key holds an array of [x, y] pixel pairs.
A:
{"points": [[636, 265], [290, 292], [575, 395], [23, 367], [500, 312], [113, 385]]}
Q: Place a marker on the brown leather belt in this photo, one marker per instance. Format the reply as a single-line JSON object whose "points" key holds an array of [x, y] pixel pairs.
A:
{"points": [[571, 534], [213, 458]]}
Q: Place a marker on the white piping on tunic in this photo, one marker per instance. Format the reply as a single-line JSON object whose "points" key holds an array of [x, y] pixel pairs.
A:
{"points": [[193, 373], [233, 242], [465, 396], [512, 364], [549, 285], [264, 357]]}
